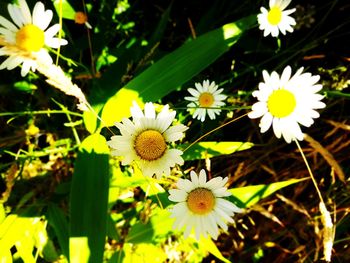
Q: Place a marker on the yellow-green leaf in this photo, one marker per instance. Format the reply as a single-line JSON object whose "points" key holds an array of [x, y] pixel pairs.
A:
{"points": [[204, 150], [250, 195], [208, 245]]}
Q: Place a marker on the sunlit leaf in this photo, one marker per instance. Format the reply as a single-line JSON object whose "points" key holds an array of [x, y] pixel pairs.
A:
{"points": [[143, 253], [5, 256], [174, 69], [202, 150], [68, 11], [118, 106], [250, 195], [25, 248], [208, 245], [21, 232], [79, 249], [2, 213], [159, 225], [25, 86]]}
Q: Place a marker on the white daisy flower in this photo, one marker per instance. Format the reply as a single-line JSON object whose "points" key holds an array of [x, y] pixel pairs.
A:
{"points": [[27, 36], [207, 98], [287, 101], [201, 206], [146, 139], [276, 19]]}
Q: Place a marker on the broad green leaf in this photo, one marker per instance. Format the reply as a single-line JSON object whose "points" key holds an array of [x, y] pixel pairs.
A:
{"points": [[174, 69], [208, 245], [204, 150], [89, 200], [250, 195], [159, 225], [56, 218]]}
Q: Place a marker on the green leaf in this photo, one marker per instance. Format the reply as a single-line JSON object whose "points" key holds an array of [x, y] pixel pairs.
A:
{"points": [[159, 225], [57, 219], [79, 249], [207, 244], [89, 201], [143, 253], [25, 86], [2, 213], [21, 232], [5, 255], [68, 11], [202, 150], [250, 195], [118, 106], [25, 248], [174, 69]]}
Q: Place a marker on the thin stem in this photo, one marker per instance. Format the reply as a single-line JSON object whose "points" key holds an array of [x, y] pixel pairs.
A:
{"points": [[98, 117], [60, 31], [90, 45], [217, 128], [47, 112], [75, 133], [310, 172]]}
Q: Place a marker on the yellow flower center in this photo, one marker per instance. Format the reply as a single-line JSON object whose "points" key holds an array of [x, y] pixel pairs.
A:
{"points": [[150, 145], [30, 38], [274, 16], [206, 99], [201, 201], [281, 103]]}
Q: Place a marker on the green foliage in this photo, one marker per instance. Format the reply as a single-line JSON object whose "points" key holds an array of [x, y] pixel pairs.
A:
{"points": [[159, 226], [170, 72], [58, 221], [64, 199], [202, 150], [89, 201], [64, 7], [250, 195], [25, 234]]}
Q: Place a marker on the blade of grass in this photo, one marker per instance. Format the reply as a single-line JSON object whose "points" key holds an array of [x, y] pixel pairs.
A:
{"points": [[89, 200], [174, 69], [58, 221]]}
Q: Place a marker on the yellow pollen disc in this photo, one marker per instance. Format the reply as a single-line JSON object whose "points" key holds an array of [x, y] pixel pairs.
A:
{"points": [[201, 201], [30, 38], [206, 99], [80, 18], [150, 145], [274, 16], [281, 103]]}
